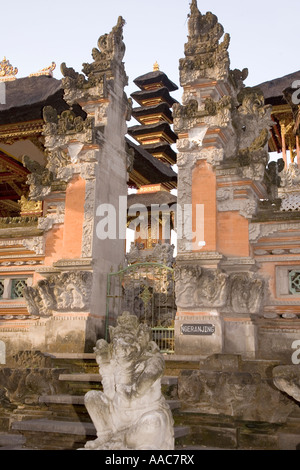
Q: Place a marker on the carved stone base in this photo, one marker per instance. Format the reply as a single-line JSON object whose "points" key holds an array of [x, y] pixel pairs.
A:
{"points": [[206, 333], [198, 333], [69, 332], [240, 337]]}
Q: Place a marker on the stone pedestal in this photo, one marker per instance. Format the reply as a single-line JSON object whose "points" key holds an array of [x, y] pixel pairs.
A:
{"points": [[198, 334]]}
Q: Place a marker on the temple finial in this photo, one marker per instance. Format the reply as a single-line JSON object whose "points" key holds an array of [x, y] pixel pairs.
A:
{"points": [[155, 67], [7, 71]]}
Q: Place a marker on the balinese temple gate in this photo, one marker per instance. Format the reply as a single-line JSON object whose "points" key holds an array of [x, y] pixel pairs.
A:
{"points": [[233, 288]]}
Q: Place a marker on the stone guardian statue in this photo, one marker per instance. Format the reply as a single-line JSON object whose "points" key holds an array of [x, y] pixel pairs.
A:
{"points": [[130, 413]]}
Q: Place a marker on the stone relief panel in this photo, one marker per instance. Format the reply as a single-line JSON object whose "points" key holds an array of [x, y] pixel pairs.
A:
{"points": [[242, 395], [226, 384], [246, 293], [69, 291], [26, 385], [197, 287]]}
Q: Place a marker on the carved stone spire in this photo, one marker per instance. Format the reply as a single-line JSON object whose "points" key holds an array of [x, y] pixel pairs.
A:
{"points": [[205, 55], [111, 48]]}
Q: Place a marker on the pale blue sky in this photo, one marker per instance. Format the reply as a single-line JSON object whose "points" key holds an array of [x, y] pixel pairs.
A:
{"points": [[264, 34]]}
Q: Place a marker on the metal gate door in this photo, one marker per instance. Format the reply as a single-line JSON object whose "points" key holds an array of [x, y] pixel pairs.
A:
{"points": [[147, 291]]}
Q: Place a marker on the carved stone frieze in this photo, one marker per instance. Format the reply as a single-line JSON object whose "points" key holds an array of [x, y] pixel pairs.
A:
{"points": [[197, 287], [239, 292], [68, 291], [226, 385]]}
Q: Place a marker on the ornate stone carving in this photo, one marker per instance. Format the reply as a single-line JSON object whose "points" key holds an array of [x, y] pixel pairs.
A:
{"points": [[287, 379], [197, 287], [26, 385], [39, 179], [205, 55], [65, 124], [237, 111], [130, 413], [242, 392], [47, 71], [290, 178], [252, 121], [72, 78], [273, 178], [30, 207], [160, 253], [69, 291], [246, 293], [107, 56]]}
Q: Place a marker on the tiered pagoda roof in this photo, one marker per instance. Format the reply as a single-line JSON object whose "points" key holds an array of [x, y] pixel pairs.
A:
{"points": [[154, 132], [149, 170]]}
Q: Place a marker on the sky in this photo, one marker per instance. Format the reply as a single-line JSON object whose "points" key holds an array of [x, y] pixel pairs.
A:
{"points": [[264, 34]]}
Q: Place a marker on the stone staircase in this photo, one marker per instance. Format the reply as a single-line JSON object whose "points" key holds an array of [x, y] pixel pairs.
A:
{"points": [[61, 422]]}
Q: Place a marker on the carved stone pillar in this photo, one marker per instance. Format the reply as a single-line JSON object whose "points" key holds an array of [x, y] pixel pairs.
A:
{"points": [[86, 169], [222, 129]]}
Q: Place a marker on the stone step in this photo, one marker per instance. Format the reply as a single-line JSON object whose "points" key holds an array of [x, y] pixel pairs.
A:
{"points": [[52, 426], [79, 400], [80, 377], [96, 378], [11, 440], [86, 430], [72, 356]]}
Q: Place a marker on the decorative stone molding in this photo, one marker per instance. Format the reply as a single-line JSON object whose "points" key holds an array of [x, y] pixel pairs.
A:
{"points": [[287, 379], [258, 230], [226, 202]]}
